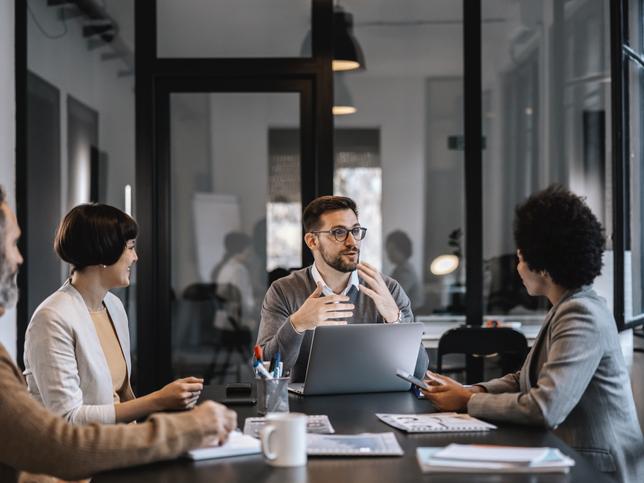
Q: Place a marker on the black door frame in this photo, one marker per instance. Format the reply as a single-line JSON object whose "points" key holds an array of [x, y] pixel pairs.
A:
{"points": [[156, 78], [155, 344]]}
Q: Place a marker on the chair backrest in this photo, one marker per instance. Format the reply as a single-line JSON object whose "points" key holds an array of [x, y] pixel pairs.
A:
{"points": [[199, 292], [481, 341]]}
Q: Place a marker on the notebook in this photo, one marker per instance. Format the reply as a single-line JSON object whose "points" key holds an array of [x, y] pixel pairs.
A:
{"points": [[365, 444], [238, 444], [435, 422], [315, 423], [483, 460]]}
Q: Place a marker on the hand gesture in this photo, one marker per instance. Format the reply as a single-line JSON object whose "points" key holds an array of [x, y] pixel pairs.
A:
{"points": [[447, 395], [378, 291], [179, 394], [316, 310], [217, 420]]}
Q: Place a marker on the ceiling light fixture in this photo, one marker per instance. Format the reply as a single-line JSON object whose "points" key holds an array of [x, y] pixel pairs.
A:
{"points": [[347, 53], [342, 99]]}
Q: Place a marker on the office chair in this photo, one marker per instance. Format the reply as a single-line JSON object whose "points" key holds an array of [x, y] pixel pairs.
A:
{"points": [[506, 289], [479, 342], [229, 339]]}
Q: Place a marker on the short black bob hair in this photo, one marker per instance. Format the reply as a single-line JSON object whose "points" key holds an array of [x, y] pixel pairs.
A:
{"points": [[557, 233], [324, 204], [93, 234]]}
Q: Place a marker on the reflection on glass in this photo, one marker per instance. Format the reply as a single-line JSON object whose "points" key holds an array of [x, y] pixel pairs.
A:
{"points": [[233, 28], [80, 128], [546, 99], [364, 186], [399, 154], [634, 256], [235, 217]]}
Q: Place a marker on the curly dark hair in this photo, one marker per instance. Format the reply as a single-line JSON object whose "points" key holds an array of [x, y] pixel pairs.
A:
{"points": [[557, 233]]}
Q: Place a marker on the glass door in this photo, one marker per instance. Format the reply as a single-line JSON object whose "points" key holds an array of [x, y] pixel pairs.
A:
{"points": [[230, 167]]}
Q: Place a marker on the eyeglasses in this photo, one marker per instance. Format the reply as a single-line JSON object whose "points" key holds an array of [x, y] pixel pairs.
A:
{"points": [[341, 234]]}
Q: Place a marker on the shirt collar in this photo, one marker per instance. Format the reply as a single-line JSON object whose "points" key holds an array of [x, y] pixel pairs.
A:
{"points": [[326, 290]]}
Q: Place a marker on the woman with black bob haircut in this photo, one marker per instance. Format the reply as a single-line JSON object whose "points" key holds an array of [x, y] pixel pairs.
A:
{"points": [[77, 345], [574, 379]]}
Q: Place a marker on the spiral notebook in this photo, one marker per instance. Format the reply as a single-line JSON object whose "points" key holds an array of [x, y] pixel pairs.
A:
{"points": [[315, 423], [365, 444], [238, 444], [435, 422]]}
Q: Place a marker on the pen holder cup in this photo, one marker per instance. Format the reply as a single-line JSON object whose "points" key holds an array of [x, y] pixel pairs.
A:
{"points": [[272, 395]]}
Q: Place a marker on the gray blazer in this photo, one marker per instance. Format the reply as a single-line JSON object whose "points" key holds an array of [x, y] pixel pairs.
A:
{"points": [[65, 367], [575, 381]]}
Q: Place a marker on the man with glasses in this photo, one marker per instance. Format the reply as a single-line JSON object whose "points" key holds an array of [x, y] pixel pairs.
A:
{"points": [[337, 289]]}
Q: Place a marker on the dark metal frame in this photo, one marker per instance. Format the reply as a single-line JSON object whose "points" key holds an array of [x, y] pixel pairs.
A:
{"points": [[156, 79], [313, 78], [22, 209], [621, 54], [619, 146], [473, 131]]}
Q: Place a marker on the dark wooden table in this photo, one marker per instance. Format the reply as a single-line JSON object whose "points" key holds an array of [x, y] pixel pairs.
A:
{"points": [[351, 414]]}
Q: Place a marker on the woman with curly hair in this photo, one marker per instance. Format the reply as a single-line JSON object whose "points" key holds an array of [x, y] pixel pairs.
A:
{"points": [[574, 380]]}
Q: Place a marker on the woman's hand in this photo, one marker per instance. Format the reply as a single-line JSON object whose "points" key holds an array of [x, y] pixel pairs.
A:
{"points": [[217, 420], [179, 394], [448, 395]]}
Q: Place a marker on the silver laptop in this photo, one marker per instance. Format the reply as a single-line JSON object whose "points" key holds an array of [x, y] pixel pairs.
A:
{"points": [[358, 358]]}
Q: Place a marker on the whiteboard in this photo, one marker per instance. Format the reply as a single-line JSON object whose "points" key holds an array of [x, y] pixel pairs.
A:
{"points": [[215, 216]]}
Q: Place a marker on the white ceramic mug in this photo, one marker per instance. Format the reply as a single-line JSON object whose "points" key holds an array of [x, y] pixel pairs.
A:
{"points": [[284, 439]]}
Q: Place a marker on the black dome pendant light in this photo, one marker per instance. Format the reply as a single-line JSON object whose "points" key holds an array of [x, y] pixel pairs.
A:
{"points": [[347, 53]]}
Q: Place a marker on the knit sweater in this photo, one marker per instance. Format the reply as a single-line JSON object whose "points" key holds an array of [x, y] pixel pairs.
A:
{"points": [[286, 295]]}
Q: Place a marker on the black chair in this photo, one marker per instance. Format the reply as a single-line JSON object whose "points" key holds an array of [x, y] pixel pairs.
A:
{"points": [[479, 342], [231, 340]]}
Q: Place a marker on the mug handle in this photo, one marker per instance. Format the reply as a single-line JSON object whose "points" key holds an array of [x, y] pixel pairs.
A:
{"points": [[265, 438]]}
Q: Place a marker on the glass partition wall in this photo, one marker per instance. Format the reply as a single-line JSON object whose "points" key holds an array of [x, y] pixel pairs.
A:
{"points": [[79, 133], [399, 151], [546, 119], [265, 124], [235, 218]]}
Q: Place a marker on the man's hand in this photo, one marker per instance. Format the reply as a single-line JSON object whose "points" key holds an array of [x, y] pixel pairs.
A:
{"points": [[217, 420], [450, 395], [378, 291], [316, 310]]}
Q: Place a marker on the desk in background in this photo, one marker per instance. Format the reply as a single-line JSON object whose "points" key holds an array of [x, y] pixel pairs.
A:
{"points": [[437, 325], [352, 414]]}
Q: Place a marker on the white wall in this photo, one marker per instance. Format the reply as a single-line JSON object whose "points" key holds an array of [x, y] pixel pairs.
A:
{"points": [[190, 151], [70, 66], [395, 106], [239, 146], [8, 140]]}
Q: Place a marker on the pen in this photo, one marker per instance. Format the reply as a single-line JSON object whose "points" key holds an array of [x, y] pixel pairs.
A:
{"points": [[258, 353], [259, 368], [275, 364]]}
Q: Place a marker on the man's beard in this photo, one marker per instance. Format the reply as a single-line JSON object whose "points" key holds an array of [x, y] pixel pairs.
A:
{"points": [[338, 263], [8, 286]]}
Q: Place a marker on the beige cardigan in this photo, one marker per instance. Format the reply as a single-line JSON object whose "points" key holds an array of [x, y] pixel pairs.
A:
{"points": [[37, 441]]}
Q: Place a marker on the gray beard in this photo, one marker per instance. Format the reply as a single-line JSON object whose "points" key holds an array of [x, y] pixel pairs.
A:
{"points": [[8, 286]]}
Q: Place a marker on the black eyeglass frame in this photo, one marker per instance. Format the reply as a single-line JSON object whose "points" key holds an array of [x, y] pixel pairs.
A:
{"points": [[358, 232]]}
